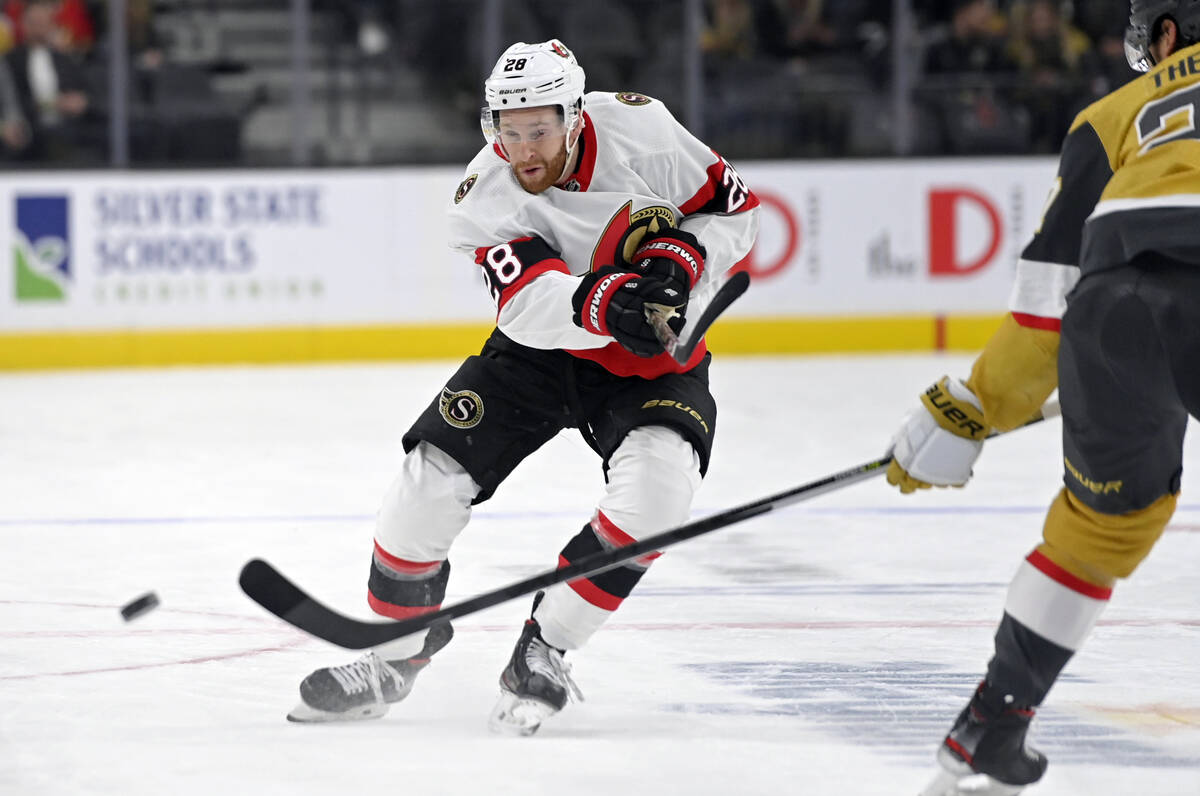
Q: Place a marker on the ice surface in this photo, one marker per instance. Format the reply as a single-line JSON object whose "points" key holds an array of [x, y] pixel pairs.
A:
{"points": [[822, 649]]}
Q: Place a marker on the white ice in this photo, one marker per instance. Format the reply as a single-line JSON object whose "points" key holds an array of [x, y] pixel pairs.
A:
{"points": [[822, 649]]}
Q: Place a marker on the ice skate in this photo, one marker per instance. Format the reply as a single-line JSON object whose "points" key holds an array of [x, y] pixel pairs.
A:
{"points": [[535, 685], [985, 753], [366, 688]]}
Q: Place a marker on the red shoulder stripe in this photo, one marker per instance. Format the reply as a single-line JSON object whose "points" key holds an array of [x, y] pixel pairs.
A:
{"points": [[1038, 322]]}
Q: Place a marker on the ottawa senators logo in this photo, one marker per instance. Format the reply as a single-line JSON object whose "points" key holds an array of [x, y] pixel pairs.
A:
{"points": [[632, 98], [461, 409], [465, 187], [559, 49], [625, 231]]}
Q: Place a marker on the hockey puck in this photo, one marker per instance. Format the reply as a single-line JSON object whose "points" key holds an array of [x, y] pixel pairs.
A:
{"points": [[142, 605]]}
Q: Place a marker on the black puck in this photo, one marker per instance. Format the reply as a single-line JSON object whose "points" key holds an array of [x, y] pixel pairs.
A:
{"points": [[144, 604]]}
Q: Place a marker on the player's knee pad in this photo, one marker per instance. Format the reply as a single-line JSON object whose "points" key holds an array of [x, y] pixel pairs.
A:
{"points": [[652, 477], [1102, 547], [426, 507]]}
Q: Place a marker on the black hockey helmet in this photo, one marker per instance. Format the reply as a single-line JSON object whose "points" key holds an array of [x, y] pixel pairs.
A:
{"points": [[1140, 33]]}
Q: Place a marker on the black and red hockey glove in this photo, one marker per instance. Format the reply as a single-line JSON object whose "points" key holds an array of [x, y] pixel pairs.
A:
{"points": [[613, 302], [672, 256]]}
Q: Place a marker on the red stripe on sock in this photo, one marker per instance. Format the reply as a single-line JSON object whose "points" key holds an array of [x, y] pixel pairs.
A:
{"points": [[607, 530], [590, 591], [405, 566], [399, 611], [1076, 584]]}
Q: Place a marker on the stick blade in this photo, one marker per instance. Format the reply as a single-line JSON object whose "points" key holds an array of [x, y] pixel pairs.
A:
{"points": [[271, 589], [730, 291]]}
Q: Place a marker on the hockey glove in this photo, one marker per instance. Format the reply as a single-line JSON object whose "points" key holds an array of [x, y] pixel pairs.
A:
{"points": [[613, 302], [939, 440], [671, 256]]}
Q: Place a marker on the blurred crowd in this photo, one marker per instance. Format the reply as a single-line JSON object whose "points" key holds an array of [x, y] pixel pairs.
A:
{"points": [[52, 106], [987, 76], [55, 90], [782, 78]]}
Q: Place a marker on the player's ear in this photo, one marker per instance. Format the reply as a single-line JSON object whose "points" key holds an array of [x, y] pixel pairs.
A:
{"points": [[1167, 35]]}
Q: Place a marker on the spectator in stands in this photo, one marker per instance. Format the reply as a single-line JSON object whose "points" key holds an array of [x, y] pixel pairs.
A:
{"points": [[1104, 22], [730, 30], [973, 43], [8, 33], [50, 84], [1054, 59], [806, 28], [968, 83], [14, 129], [1099, 18], [766, 30], [145, 45], [74, 31]]}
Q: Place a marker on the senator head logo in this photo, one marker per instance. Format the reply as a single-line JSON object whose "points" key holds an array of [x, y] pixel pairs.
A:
{"points": [[465, 187], [632, 98], [461, 408], [41, 248]]}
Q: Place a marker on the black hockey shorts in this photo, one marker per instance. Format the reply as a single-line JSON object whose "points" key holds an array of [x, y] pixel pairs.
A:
{"points": [[508, 401], [1129, 376]]}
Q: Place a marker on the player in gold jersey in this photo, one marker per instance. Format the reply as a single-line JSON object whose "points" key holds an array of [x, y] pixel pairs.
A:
{"points": [[1106, 307]]}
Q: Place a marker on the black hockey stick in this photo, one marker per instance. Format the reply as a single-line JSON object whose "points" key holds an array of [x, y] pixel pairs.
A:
{"points": [[682, 348], [269, 588]]}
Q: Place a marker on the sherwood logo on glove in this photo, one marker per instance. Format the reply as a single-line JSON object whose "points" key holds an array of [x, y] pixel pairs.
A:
{"points": [[597, 301], [673, 251]]}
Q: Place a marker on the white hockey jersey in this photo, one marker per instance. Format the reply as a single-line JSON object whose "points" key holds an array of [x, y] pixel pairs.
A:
{"points": [[637, 164]]}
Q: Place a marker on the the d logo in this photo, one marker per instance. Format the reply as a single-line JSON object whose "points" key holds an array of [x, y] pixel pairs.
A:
{"points": [[944, 227]]}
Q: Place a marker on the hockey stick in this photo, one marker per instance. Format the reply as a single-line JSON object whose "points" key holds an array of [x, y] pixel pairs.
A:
{"points": [[269, 588], [682, 348]]}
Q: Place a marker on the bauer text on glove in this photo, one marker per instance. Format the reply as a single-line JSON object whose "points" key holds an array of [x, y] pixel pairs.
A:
{"points": [[939, 441]]}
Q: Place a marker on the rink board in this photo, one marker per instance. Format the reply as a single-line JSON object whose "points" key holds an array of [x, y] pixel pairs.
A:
{"points": [[110, 268]]}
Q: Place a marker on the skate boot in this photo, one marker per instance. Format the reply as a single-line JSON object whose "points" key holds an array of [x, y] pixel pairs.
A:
{"points": [[535, 685], [365, 688], [985, 753]]}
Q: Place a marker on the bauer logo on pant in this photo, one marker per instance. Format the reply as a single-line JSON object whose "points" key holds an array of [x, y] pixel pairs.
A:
{"points": [[462, 409]]}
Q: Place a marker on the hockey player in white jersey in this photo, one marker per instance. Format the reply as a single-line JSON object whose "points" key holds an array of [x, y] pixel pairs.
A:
{"points": [[580, 211]]}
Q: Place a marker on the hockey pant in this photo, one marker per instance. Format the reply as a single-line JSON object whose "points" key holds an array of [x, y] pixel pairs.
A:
{"points": [[652, 476]]}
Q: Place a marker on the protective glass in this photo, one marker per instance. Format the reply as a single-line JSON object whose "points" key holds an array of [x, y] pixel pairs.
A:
{"points": [[515, 134], [489, 122]]}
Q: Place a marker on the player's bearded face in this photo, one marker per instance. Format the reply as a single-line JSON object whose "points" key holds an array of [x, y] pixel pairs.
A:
{"points": [[535, 141]]}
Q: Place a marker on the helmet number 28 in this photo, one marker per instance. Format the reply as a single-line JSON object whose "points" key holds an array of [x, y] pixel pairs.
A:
{"points": [[514, 64], [1169, 119]]}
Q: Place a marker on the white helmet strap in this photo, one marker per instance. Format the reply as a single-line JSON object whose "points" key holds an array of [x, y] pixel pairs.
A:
{"points": [[571, 145]]}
